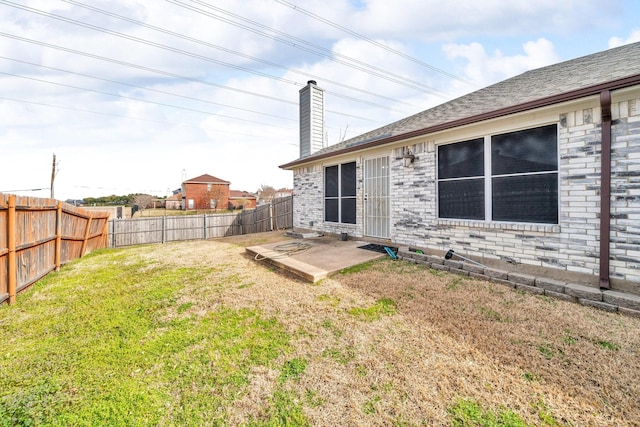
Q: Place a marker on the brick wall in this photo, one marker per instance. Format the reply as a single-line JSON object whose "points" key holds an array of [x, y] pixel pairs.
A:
{"points": [[201, 195], [307, 199], [572, 245], [308, 202], [625, 191]]}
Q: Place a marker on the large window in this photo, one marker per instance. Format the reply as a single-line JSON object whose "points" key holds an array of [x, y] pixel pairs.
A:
{"points": [[461, 180], [340, 193], [521, 173]]}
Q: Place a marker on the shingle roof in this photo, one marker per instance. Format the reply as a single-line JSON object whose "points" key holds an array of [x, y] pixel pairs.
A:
{"points": [[539, 84], [207, 179]]}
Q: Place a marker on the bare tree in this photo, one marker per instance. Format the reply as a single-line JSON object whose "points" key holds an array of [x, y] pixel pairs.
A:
{"points": [[214, 197], [266, 193], [143, 201]]}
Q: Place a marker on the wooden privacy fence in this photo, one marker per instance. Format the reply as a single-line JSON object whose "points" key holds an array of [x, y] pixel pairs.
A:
{"points": [[38, 235], [127, 232]]}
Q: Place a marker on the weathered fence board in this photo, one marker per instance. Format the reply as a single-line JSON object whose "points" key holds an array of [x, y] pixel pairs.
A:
{"points": [[283, 213], [38, 235], [129, 232], [4, 249]]}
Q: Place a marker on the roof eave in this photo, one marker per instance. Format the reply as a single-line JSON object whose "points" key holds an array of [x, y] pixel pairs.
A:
{"points": [[514, 109]]}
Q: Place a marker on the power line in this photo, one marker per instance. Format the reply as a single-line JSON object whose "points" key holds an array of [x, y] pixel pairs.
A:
{"points": [[316, 50], [158, 91], [369, 40], [146, 42], [146, 88], [179, 51], [144, 68], [100, 92], [101, 113], [232, 52], [83, 110]]}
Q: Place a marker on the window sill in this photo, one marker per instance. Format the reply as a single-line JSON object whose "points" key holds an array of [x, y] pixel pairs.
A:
{"points": [[515, 226], [342, 224]]}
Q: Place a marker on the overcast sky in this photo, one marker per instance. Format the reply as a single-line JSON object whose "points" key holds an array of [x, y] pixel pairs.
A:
{"points": [[134, 96]]}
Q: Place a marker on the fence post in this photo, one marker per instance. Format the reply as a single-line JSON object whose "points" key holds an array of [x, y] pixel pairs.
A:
{"points": [[271, 216], [164, 229], [86, 236], [58, 235], [204, 225], [11, 244]]}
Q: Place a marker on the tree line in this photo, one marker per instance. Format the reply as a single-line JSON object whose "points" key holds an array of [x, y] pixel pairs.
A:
{"points": [[126, 200], [265, 192]]}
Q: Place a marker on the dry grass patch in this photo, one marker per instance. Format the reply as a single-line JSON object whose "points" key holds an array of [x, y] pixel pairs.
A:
{"points": [[574, 362], [396, 344]]}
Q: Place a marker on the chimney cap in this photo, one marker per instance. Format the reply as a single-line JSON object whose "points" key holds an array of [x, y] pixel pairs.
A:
{"points": [[312, 82]]}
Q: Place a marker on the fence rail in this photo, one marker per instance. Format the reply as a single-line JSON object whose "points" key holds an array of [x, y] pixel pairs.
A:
{"points": [[128, 232], [38, 235]]}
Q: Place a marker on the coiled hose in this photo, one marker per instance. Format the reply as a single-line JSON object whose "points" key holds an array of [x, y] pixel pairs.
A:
{"points": [[285, 250]]}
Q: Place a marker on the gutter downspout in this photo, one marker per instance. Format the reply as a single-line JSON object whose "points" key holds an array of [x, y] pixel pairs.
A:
{"points": [[605, 189]]}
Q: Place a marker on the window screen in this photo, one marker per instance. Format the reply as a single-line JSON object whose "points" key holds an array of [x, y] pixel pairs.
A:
{"points": [[460, 160], [348, 211], [522, 177], [532, 150], [348, 180], [340, 193], [524, 168], [526, 198], [463, 199], [331, 181], [461, 180], [331, 210]]}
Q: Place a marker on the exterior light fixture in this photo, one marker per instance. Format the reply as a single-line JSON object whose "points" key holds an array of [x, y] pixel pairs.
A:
{"points": [[407, 158]]}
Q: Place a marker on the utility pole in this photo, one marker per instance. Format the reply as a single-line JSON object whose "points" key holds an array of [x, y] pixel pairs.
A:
{"points": [[53, 173]]}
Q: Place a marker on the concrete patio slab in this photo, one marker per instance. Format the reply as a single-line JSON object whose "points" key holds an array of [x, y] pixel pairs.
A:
{"points": [[313, 259]]}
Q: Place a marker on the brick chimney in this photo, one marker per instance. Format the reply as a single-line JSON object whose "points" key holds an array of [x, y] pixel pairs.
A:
{"points": [[311, 119]]}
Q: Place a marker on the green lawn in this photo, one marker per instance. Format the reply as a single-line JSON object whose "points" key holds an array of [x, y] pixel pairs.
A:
{"points": [[198, 334], [104, 342]]}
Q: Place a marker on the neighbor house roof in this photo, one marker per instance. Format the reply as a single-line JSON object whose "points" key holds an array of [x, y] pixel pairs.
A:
{"points": [[206, 179], [589, 75]]}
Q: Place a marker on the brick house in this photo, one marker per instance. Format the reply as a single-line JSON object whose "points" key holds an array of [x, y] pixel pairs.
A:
{"points": [[537, 174], [174, 201], [241, 200], [205, 192]]}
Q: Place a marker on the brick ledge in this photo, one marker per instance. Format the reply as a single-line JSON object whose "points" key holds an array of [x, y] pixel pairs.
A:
{"points": [[608, 300]]}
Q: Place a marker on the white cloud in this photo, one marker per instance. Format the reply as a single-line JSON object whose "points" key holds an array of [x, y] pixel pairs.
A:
{"points": [[135, 146], [434, 20], [619, 41], [485, 69]]}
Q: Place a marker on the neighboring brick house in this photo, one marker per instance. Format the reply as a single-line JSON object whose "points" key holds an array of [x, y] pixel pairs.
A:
{"points": [[538, 172], [241, 200], [174, 201], [205, 192]]}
